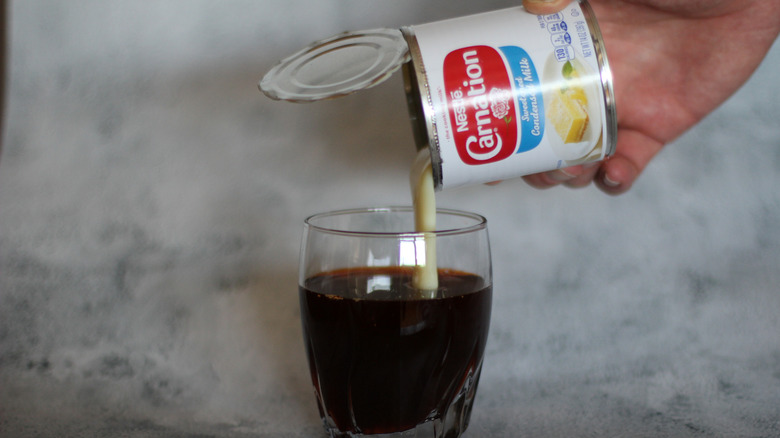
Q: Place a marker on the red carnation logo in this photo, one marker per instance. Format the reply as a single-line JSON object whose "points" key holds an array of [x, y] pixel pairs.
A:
{"points": [[481, 104], [499, 103]]}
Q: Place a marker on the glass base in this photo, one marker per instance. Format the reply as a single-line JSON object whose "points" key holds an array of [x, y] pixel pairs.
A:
{"points": [[451, 425], [429, 429]]}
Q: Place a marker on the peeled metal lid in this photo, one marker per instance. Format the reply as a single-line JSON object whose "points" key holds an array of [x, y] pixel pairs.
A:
{"points": [[337, 66]]}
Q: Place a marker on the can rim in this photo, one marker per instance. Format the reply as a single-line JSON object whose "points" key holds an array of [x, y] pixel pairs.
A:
{"points": [[418, 97], [605, 74]]}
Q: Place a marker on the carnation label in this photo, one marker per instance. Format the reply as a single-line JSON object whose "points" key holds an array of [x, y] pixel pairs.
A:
{"points": [[507, 93], [483, 111]]}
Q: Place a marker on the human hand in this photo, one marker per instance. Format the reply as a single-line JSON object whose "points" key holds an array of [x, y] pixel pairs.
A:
{"points": [[673, 62]]}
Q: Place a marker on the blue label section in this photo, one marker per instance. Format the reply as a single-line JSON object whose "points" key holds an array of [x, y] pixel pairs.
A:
{"points": [[528, 93]]}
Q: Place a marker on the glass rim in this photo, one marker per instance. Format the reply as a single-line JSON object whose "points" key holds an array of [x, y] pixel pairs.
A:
{"points": [[479, 224]]}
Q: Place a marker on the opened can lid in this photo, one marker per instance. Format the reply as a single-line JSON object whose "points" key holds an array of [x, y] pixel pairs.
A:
{"points": [[337, 66]]}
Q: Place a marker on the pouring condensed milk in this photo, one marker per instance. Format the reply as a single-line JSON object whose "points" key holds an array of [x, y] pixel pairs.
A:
{"points": [[425, 277], [491, 96]]}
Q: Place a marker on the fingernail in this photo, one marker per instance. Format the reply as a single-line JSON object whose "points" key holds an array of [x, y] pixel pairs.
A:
{"points": [[609, 182]]}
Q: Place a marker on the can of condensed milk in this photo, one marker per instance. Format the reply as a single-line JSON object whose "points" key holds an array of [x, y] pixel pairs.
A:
{"points": [[493, 96], [507, 93]]}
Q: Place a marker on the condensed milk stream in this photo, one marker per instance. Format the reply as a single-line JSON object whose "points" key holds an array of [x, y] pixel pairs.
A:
{"points": [[425, 278]]}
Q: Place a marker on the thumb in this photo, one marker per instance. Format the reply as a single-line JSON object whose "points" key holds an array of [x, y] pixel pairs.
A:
{"points": [[544, 7]]}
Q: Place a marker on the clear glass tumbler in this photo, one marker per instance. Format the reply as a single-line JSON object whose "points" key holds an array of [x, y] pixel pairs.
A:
{"points": [[387, 358]]}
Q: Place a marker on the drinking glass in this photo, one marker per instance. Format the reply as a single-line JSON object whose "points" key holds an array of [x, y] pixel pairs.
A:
{"points": [[389, 358]]}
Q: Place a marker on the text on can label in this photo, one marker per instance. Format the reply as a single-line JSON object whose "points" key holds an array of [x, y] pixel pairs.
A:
{"points": [[494, 102]]}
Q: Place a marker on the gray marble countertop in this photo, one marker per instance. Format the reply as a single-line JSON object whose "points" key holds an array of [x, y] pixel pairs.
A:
{"points": [[151, 202]]}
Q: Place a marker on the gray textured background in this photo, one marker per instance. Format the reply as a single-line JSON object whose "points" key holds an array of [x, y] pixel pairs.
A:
{"points": [[151, 202]]}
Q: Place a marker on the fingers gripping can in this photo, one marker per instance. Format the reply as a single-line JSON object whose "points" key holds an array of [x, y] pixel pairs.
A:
{"points": [[493, 96], [507, 93]]}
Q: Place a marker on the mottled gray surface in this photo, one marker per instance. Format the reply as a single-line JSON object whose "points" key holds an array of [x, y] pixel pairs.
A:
{"points": [[150, 210]]}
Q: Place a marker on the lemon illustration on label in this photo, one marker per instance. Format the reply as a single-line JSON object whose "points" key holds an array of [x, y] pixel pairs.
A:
{"points": [[568, 107]]}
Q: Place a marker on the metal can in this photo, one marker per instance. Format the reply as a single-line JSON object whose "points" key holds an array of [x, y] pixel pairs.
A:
{"points": [[506, 93], [493, 96]]}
